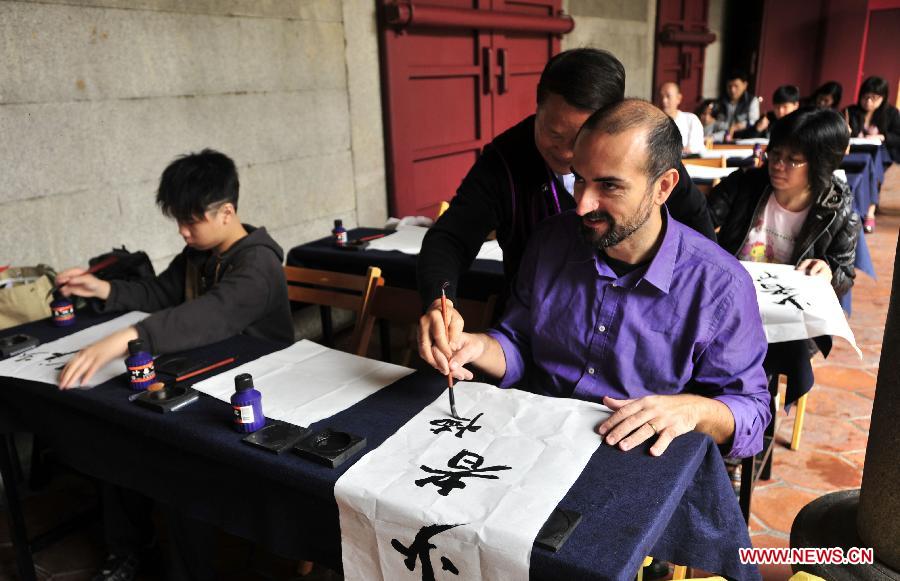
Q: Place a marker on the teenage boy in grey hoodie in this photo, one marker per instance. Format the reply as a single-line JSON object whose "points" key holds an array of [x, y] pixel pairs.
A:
{"points": [[227, 280]]}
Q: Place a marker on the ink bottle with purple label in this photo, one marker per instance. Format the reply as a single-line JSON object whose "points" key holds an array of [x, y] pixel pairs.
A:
{"points": [[340, 233], [141, 371], [62, 310], [247, 404]]}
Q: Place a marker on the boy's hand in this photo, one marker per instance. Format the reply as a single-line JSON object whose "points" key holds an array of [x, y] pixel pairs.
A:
{"points": [[77, 282], [82, 367]]}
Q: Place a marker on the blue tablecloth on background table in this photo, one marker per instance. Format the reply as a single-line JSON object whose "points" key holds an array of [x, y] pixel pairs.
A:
{"points": [[484, 277], [679, 507]]}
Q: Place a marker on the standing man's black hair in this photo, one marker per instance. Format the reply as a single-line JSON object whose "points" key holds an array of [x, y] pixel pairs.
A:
{"points": [[587, 78], [195, 182], [738, 74], [786, 94]]}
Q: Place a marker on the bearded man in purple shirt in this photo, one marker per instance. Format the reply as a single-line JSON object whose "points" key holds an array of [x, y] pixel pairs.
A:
{"points": [[618, 302]]}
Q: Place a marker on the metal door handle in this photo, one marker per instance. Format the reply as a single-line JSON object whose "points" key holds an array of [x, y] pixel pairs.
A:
{"points": [[487, 64], [502, 62]]}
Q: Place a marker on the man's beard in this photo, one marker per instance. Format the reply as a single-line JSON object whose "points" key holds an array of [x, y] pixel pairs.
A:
{"points": [[615, 233]]}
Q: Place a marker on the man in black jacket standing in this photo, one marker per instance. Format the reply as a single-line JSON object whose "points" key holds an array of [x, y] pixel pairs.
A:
{"points": [[522, 177]]}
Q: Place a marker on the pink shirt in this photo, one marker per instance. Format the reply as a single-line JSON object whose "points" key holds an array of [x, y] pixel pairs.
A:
{"points": [[772, 237]]}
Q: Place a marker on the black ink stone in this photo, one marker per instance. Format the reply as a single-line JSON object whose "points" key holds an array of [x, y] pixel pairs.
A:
{"points": [[330, 447], [168, 399], [555, 532]]}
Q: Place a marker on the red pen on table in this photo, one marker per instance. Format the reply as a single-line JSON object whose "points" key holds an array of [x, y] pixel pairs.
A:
{"points": [[447, 327], [372, 237], [205, 369]]}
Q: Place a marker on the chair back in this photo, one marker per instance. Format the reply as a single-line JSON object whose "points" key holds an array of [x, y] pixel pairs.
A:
{"points": [[336, 289]]}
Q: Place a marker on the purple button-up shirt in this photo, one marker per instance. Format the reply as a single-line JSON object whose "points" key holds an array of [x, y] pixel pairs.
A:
{"points": [[687, 322]]}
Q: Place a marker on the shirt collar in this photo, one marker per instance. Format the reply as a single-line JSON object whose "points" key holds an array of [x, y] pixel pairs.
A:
{"points": [[661, 268]]}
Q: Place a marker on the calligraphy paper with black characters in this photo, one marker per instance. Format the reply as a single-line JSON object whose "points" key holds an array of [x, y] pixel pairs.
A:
{"points": [[464, 499], [794, 305], [307, 382], [44, 362]]}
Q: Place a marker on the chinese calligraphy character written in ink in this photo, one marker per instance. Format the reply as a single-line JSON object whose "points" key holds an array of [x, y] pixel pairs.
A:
{"points": [[465, 465], [448, 424], [777, 289], [420, 549]]}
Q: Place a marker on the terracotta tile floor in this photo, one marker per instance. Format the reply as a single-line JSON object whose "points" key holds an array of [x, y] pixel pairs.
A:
{"points": [[830, 457]]}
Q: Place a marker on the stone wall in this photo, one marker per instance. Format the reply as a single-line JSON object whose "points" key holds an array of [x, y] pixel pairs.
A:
{"points": [[98, 96], [624, 28]]}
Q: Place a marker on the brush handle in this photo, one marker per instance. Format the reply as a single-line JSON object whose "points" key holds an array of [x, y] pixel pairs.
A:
{"points": [[447, 330]]}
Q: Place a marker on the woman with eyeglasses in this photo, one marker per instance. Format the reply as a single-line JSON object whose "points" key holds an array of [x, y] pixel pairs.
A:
{"points": [[793, 210], [873, 116]]}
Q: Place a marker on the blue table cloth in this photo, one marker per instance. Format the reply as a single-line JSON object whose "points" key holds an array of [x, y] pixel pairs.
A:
{"points": [[679, 507]]}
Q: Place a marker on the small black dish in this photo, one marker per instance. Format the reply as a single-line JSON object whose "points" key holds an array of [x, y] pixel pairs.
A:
{"points": [[169, 399], [330, 447], [555, 532], [276, 437]]}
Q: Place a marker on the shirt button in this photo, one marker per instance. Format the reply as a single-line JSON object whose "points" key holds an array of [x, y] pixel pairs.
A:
{"points": [[602, 329], [591, 370]]}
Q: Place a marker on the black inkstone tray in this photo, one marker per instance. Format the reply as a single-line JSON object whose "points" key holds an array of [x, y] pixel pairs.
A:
{"points": [[330, 447], [169, 399], [555, 532]]}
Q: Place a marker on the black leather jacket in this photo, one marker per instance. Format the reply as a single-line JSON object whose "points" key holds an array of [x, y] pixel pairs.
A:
{"points": [[829, 233]]}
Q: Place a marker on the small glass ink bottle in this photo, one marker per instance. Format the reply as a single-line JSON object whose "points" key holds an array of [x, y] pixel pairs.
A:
{"points": [[247, 404], [141, 372], [62, 310], [340, 233], [757, 155]]}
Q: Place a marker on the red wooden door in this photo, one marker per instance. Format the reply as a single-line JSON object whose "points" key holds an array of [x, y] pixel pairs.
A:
{"points": [[880, 57], [455, 73], [520, 58], [681, 38]]}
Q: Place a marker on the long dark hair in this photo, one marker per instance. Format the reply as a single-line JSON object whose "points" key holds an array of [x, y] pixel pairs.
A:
{"points": [[832, 89], [878, 86], [820, 135]]}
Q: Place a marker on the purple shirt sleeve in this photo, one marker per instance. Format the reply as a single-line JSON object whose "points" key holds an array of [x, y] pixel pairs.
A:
{"points": [[730, 369]]}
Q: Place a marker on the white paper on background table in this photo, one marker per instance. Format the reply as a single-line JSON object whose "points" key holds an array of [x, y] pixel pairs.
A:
{"points": [[477, 489], [752, 141], [865, 141], [44, 362], [794, 305], [732, 152], [307, 382], [408, 240], [700, 172]]}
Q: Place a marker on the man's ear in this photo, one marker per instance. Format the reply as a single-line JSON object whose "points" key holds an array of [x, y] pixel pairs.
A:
{"points": [[665, 184], [228, 212]]}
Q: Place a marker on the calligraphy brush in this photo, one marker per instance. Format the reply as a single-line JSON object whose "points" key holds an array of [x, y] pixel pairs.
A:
{"points": [[97, 267], [447, 327]]}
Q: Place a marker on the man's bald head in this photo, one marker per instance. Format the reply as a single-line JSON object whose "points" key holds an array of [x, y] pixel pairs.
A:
{"points": [[670, 85], [662, 140]]}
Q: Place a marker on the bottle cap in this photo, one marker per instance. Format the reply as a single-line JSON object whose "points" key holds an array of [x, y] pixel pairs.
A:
{"points": [[58, 296], [135, 346], [243, 382], [338, 223]]}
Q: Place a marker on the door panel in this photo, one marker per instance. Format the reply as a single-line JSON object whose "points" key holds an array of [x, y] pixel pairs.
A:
{"points": [[682, 36], [449, 91]]}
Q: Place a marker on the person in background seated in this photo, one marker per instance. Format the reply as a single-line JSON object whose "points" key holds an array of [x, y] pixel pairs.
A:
{"points": [[617, 302], [873, 116], [738, 107], [707, 111], [828, 96], [786, 100], [688, 124], [793, 211]]}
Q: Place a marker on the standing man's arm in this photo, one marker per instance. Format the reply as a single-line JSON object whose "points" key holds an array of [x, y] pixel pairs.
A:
{"points": [[688, 205], [451, 245]]}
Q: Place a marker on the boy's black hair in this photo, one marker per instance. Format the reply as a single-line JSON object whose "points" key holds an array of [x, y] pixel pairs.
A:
{"points": [[821, 135], [832, 88], [737, 74], [587, 78], [786, 94], [193, 183]]}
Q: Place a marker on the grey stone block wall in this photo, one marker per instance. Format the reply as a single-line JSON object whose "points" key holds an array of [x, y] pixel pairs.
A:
{"points": [[97, 96], [624, 28]]}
